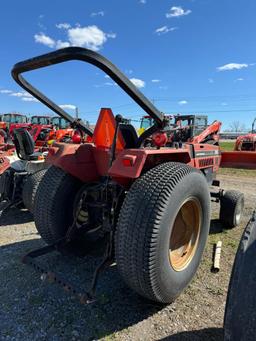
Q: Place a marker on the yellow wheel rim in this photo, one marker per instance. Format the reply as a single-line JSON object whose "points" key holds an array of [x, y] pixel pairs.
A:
{"points": [[185, 234]]}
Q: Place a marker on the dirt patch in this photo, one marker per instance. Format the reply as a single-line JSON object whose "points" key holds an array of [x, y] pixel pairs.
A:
{"points": [[32, 309]]}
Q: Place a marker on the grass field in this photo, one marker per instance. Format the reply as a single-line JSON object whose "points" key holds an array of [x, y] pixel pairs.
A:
{"points": [[237, 172], [227, 145]]}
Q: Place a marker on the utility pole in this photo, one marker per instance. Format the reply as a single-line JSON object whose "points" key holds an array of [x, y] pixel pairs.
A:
{"points": [[76, 112]]}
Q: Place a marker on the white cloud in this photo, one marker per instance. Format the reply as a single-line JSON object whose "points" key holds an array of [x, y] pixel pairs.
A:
{"points": [[5, 91], [165, 29], [17, 94], [23, 95], [27, 94], [64, 26], [232, 66], [156, 80], [68, 106], [177, 11], [107, 76], [111, 35], [138, 82], [109, 83], [239, 79], [183, 102], [100, 13], [91, 37], [224, 103], [163, 87], [143, 2], [61, 44], [210, 80], [40, 24], [129, 71], [44, 39], [29, 99]]}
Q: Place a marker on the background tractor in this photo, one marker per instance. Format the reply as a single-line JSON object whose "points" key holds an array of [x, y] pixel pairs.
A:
{"points": [[148, 206], [244, 154], [186, 128], [44, 121], [247, 142], [11, 121], [19, 178]]}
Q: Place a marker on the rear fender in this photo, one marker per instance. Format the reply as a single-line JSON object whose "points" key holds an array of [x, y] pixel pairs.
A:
{"points": [[77, 160], [130, 164]]}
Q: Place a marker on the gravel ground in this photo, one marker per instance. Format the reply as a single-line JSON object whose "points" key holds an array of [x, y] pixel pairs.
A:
{"points": [[36, 310]]}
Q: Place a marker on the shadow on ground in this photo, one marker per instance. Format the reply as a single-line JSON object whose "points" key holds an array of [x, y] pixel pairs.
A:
{"points": [[216, 226], [209, 334], [15, 216], [56, 312]]}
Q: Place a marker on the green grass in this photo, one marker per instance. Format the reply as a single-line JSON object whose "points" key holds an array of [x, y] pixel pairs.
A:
{"points": [[237, 172], [227, 146]]}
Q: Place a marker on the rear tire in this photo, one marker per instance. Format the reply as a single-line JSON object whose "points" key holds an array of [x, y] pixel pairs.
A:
{"points": [[240, 313], [30, 187], [231, 208], [53, 208], [166, 211]]}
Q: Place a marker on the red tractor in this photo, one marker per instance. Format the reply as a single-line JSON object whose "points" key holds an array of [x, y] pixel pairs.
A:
{"points": [[247, 142], [20, 174], [149, 207], [45, 130], [186, 128], [44, 121], [244, 154], [12, 121]]}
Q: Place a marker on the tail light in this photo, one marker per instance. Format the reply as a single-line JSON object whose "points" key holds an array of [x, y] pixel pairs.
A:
{"points": [[76, 138], [159, 139]]}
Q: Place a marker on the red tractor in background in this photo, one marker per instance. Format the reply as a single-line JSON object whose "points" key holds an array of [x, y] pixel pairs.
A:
{"points": [[247, 142], [244, 154], [148, 206], [195, 128], [44, 121], [20, 175], [187, 128], [11, 121], [46, 130]]}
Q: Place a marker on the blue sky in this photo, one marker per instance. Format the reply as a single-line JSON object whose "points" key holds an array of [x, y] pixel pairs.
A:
{"points": [[187, 56]]}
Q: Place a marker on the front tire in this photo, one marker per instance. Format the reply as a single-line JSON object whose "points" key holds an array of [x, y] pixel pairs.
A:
{"points": [[231, 208], [162, 231]]}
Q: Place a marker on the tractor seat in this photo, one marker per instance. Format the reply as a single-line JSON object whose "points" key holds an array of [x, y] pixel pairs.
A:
{"points": [[24, 145], [129, 135]]}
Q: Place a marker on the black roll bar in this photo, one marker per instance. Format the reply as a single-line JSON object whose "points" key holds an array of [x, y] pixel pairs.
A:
{"points": [[91, 57]]}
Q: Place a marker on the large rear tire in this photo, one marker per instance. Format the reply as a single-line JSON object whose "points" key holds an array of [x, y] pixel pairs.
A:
{"points": [[240, 313], [162, 231], [30, 187], [54, 200]]}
